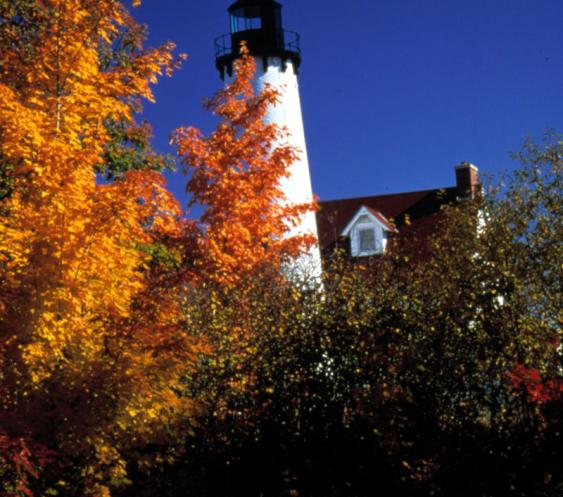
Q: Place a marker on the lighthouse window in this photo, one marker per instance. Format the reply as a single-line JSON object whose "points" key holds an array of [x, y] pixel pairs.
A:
{"points": [[245, 19]]}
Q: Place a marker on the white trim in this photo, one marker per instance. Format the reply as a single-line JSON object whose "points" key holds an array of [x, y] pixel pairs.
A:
{"points": [[465, 165], [365, 219], [363, 211]]}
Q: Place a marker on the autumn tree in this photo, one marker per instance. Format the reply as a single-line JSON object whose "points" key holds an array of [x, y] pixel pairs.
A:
{"points": [[440, 371], [411, 376], [235, 176], [129, 147], [463, 324], [90, 353]]}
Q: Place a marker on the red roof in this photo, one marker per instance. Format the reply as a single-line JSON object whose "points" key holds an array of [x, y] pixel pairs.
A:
{"points": [[419, 207], [382, 218]]}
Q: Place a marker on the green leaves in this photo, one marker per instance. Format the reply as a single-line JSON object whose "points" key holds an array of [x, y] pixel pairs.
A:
{"points": [[129, 149]]}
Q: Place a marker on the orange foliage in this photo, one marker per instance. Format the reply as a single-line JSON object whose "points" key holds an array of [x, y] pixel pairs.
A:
{"points": [[235, 175], [90, 349]]}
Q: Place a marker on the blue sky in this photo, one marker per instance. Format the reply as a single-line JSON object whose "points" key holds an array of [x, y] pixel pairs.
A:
{"points": [[395, 93]]}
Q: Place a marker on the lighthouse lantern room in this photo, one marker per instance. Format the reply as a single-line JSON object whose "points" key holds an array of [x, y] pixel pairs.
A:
{"points": [[259, 24]]}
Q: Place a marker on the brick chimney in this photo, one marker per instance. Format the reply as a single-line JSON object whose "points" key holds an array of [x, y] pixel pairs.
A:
{"points": [[467, 180]]}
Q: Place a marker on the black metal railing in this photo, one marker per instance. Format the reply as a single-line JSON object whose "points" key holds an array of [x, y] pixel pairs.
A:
{"points": [[292, 41], [224, 43]]}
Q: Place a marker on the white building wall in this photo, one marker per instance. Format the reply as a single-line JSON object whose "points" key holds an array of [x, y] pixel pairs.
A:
{"points": [[287, 113]]}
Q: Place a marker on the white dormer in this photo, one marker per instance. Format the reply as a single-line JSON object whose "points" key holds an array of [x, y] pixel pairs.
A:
{"points": [[368, 232]]}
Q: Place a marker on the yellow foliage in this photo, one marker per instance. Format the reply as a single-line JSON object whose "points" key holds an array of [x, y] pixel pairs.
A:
{"points": [[90, 349]]}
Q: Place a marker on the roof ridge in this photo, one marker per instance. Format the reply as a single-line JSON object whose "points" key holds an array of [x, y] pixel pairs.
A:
{"points": [[388, 194]]}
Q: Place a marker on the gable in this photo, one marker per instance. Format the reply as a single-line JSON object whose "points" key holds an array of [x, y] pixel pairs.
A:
{"points": [[367, 231]]}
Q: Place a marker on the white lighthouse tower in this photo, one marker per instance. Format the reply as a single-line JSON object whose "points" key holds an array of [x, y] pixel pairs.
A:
{"points": [[278, 57]]}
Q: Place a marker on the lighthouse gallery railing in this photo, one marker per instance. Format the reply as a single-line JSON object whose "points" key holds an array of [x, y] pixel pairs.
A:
{"points": [[223, 44]]}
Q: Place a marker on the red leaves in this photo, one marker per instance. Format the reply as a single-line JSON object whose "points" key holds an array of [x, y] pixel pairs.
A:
{"points": [[538, 389], [27, 458], [235, 174]]}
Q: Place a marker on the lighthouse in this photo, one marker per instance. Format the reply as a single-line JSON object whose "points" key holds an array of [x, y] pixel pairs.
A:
{"points": [[278, 58]]}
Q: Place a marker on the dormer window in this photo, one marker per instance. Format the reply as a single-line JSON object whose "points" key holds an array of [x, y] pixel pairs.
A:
{"points": [[367, 232], [367, 239]]}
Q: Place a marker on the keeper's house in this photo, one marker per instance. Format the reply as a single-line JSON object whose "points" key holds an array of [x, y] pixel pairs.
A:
{"points": [[363, 226]]}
